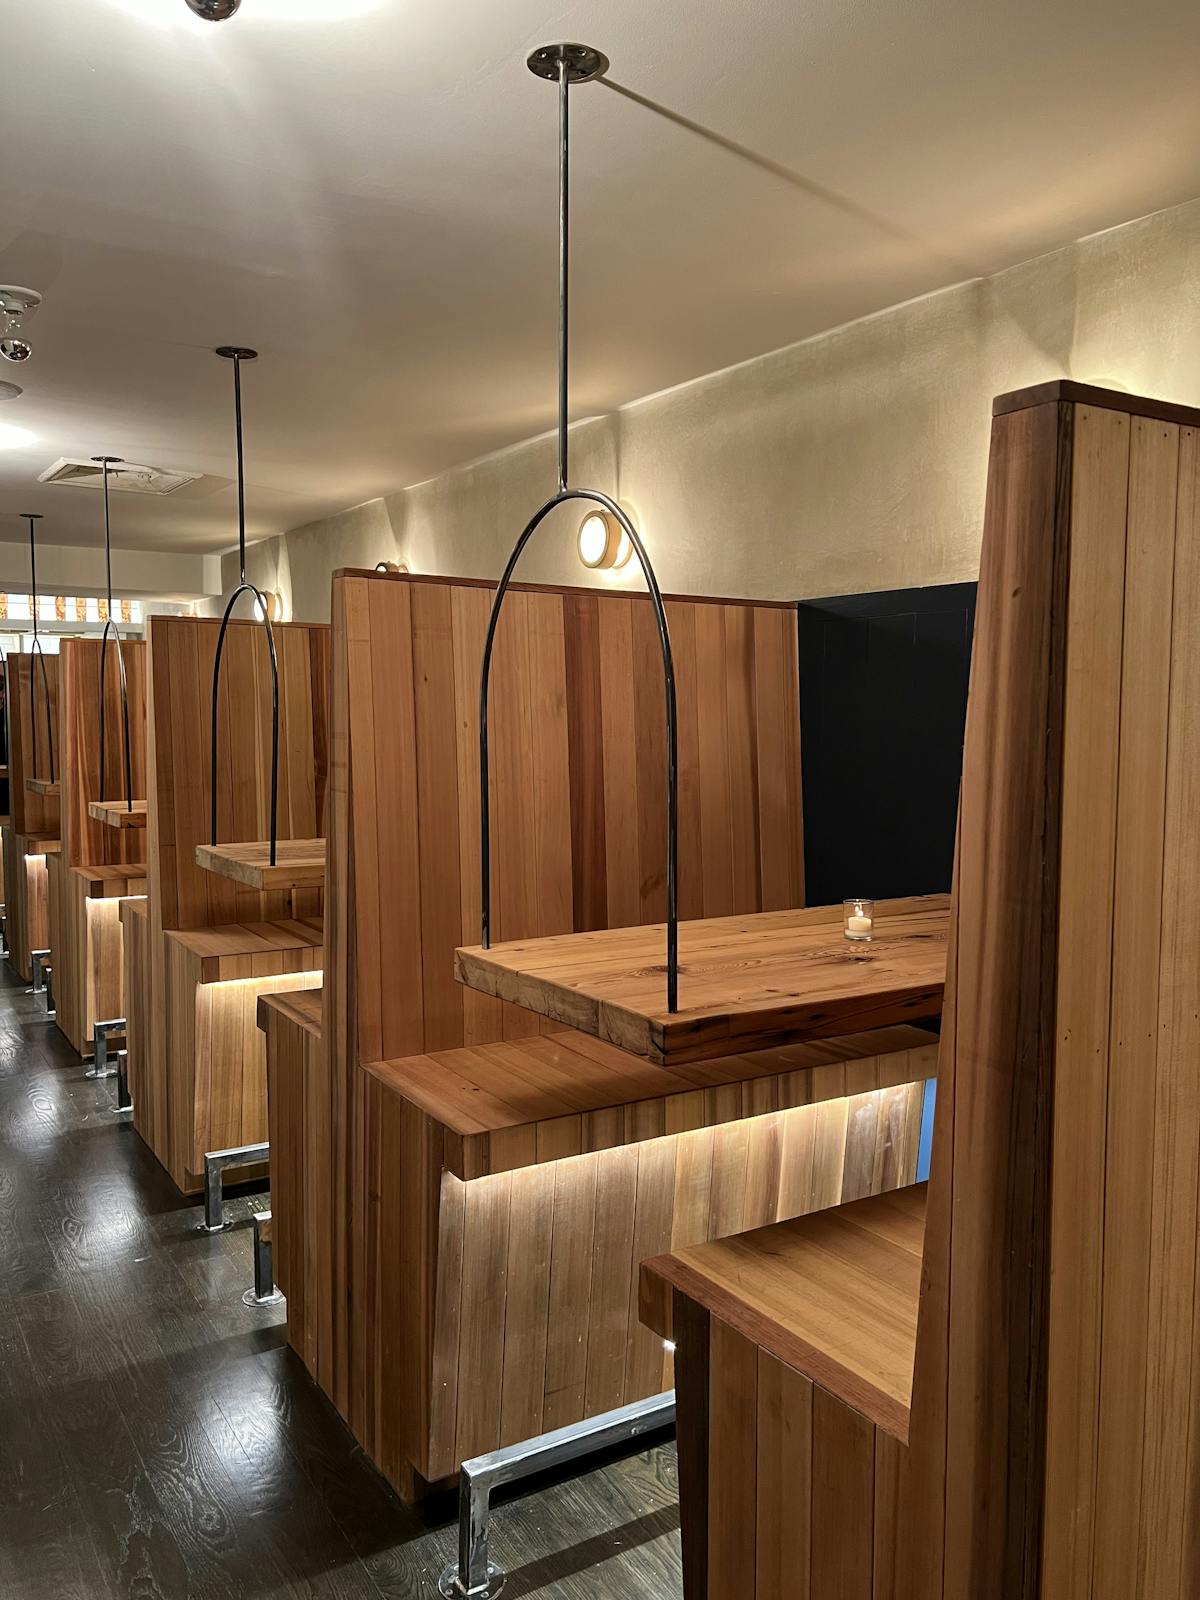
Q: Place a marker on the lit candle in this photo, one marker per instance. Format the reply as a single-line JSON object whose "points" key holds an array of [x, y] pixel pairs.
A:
{"points": [[859, 919]]}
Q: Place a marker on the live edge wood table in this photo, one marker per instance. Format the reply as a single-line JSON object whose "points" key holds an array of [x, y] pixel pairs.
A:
{"points": [[118, 813], [745, 983], [298, 864]]}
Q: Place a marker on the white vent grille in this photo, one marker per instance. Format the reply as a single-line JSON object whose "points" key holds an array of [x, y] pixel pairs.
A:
{"points": [[126, 476]]}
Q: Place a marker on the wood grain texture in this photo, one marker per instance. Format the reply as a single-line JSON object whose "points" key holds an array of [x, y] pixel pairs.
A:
{"points": [[745, 983], [577, 809], [98, 864], [215, 945], [117, 813], [298, 864], [1052, 1432], [34, 815]]}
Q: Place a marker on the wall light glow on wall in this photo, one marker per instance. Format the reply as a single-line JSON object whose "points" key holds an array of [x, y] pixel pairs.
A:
{"points": [[603, 543]]}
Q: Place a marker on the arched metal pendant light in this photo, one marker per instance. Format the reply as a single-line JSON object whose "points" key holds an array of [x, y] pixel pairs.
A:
{"points": [[566, 65], [110, 626], [35, 648], [237, 354]]}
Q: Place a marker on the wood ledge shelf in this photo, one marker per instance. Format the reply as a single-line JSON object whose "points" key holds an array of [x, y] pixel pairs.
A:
{"points": [[527, 1101], [44, 786], [117, 813], [304, 1007], [106, 881], [745, 983], [299, 863], [834, 1295]]}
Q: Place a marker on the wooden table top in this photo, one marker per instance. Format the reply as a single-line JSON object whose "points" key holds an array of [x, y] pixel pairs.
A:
{"points": [[525, 1101], [745, 983], [299, 863], [834, 1294], [43, 786], [118, 813]]}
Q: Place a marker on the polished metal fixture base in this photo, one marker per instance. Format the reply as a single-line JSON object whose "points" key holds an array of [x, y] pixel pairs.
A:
{"points": [[108, 461], [451, 1586], [37, 959], [30, 516], [124, 1098], [100, 1047], [215, 1162], [235, 352], [583, 62], [473, 1576], [264, 1292]]}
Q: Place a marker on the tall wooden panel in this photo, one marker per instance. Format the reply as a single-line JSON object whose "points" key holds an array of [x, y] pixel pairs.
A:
{"points": [[1048, 1447], [98, 864], [34, 818], [213, 944]]}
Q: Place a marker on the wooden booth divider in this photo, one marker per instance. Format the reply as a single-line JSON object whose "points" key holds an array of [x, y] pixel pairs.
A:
{"points": [[32, 831], [97, 866], [992, 1390], [197, 1064], [462, 1192]]}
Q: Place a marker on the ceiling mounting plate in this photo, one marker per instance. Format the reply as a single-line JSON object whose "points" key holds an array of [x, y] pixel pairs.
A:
{"points": [[236, 352], [583, 62]]}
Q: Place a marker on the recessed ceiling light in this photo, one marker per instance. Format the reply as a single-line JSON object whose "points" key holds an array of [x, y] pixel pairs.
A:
{"points": [[10, 391], [12, 438]]}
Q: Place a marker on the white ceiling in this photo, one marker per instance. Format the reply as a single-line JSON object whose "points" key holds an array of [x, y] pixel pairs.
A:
{"points": [[364, 189]]}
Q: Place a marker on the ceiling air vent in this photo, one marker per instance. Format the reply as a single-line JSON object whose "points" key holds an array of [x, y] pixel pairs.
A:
{"points": [[132, 479]]}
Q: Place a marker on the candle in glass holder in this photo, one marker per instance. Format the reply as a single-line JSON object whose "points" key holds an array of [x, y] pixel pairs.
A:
{"points": [[859, 918]]}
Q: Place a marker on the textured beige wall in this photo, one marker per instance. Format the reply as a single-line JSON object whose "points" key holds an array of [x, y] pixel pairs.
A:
{"points": [[852, 461]]}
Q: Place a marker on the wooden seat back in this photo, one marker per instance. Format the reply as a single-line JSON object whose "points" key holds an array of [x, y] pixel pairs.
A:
{"points": [[203, 1076], [86, 842], [578, 829], [33, 815], [184, 895], [1061, 1253]]}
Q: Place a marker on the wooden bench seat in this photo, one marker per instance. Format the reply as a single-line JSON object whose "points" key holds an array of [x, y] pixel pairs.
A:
{"points": [[834, 1295], [251, 949], [103, 880], [518, 1103], [304, 1007]]}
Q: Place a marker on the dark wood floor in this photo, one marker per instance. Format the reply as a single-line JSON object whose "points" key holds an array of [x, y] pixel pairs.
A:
{"points": [[158, 1438]]}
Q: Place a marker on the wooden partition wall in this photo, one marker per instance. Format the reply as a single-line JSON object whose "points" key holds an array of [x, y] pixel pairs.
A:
{"points": [[96, 865], [32, 832], [213, 946], [1014, 1416], [452, 1289]]}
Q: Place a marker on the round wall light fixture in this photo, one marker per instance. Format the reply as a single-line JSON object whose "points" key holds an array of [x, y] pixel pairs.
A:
{"points": [[603, 543]]}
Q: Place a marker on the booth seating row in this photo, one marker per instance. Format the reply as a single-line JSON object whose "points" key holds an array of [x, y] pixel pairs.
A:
{"points": [[32, 833], [462, 1192], [97, 865], [992, 1389], [205, 948]]}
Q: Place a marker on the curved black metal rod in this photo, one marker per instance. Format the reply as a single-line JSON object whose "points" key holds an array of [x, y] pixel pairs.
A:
{"points": [[668, 661], [261, 599], [35, 648], [116, 633]]}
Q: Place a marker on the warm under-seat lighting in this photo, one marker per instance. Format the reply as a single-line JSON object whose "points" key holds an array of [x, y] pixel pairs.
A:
{"points": [[603, 543]]}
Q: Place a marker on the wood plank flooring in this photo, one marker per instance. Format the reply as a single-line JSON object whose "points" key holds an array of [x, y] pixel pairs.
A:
{"points": [[159, 1439]]}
